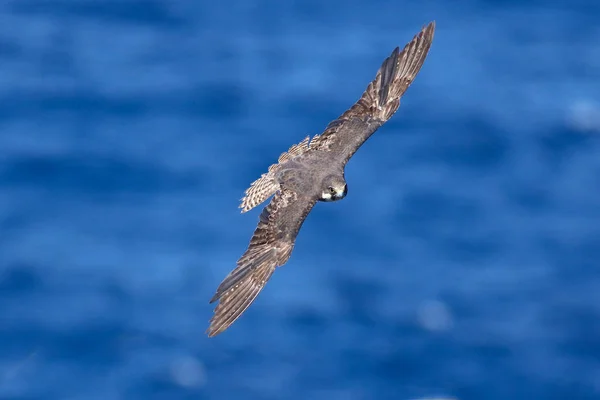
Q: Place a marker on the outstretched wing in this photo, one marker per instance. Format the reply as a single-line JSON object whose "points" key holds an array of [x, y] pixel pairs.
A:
{"points": [[270, 247], [380, 100]]}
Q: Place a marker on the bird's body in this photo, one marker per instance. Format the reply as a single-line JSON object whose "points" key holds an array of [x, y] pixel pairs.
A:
{"points": [[311, 171]]}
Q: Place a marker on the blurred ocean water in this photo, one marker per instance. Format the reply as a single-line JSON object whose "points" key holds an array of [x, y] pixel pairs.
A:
{"points": [[463, 264]]}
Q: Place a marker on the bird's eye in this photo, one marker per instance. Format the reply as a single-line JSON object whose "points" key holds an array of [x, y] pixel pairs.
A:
{"points": [[331, 190]]}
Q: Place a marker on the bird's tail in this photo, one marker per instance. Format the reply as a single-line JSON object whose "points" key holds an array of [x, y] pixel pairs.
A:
{"points": [[259, 191], [266, 186], [396, 74]]}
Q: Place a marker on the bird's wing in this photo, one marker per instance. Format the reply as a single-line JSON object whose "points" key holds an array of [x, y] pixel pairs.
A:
{"points": [[270, 247], [380, 100]]}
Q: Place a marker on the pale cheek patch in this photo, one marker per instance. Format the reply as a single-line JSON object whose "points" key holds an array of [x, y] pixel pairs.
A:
{"points": [[326, 196]]}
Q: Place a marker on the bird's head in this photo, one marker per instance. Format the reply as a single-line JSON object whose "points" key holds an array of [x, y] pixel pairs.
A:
{"points": [[334, 188]]}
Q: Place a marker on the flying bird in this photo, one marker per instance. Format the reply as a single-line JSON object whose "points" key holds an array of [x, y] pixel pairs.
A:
{"points": [[311, 171]]}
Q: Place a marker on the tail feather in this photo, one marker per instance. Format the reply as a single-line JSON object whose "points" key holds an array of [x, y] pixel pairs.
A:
{"points": [[259, 191], [266, 186]]}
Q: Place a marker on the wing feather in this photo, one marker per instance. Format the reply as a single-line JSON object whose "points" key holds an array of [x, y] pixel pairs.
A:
{"points": [[273, 240], [380, 100], [270, 247]]}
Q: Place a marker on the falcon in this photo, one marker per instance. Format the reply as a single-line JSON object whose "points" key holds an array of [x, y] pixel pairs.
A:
{"points": [[311, 171]]}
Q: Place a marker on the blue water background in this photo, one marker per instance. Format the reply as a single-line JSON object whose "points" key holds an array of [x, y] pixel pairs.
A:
{"points": [[464, 263]]}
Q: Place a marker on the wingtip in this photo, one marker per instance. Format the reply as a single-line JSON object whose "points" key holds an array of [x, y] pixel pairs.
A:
{"points": [[429, 29], [214, 328], [427, 32], [210, 332]]}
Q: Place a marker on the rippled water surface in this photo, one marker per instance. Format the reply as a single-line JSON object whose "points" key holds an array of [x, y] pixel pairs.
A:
{"points": [[463, 264]]}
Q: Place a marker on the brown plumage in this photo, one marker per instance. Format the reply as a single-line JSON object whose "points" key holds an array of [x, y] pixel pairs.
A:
{"points": [[311, 171], [270, 247]]}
